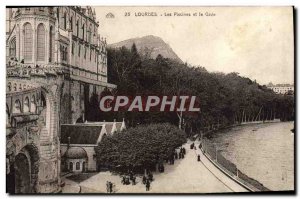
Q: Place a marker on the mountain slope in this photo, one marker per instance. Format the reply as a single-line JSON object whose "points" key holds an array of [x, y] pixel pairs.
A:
{"points": [[150, 45]]}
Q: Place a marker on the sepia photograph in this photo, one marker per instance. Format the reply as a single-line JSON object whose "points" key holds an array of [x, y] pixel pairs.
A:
{"points": [[150, 100]]}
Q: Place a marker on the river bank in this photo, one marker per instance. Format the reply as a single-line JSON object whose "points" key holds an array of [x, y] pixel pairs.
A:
{"points": [[263, 151]]}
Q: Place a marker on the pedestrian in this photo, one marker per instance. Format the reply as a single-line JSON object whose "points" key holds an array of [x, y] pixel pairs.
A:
{"points": [[199, 158], [183, 150], [123, 180], [150, 176], [148, 185], [107, 186], [131, 175], [133, 180], [110, 187], [127, 182], [144, 179], [176, 155]]}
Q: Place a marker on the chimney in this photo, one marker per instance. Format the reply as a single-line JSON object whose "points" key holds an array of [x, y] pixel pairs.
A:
{"points": [[69, 142]]}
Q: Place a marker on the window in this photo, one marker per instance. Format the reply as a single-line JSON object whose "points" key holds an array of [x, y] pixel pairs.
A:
{"points": [[73, 47], [83, 31], [91, 54], [71, 23], [51, 44], [7, 115], [83, 166], [77, 165], [12, 47], [90, 35], [32, 104], [9, 87], [28, 42], [66, 54], [77, 27], [41, 43], [17, 107], [71, 166], [84, 52], [65, 21], [26, 105], [79, 50]]}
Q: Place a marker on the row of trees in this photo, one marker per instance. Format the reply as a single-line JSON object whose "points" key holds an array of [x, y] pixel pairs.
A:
{"points": [[224, 98], [139, 148]]}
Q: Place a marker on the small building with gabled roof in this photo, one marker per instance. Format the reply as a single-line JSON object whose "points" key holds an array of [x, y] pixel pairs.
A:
{"points": [[78, 142]]}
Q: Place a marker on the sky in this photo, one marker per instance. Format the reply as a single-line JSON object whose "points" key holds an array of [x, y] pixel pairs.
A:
{"points": [[256, 42]]}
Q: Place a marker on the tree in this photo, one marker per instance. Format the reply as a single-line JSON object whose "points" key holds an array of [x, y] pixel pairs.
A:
{"points": [[139, 148]]}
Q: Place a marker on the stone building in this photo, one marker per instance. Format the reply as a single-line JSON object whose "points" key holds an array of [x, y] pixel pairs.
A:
{"points": [[55, 61], [281, 88]]}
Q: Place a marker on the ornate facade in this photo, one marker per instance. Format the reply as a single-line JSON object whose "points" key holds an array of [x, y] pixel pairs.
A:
{"points": [[55, 61]]}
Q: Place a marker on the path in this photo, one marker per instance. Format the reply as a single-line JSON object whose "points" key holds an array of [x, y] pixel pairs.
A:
{"points": [[185, 176]]}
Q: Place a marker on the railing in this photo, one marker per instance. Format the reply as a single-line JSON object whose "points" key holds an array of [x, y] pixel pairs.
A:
{"points": [[213, 154], [25, 70]]}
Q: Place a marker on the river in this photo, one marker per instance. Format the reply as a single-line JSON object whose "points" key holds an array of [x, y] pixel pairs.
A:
{"points": [[264, 152]]}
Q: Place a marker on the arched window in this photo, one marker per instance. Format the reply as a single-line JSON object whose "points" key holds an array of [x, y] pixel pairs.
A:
{"points": [[77, 27], [83, 32], [83, 166], [71, 23], [41, 42], [71, 166], [9, 87], [12, 47], [65, 20], [15, 87], [66, 53], [77, 165], [79, 46], [73, 48], [32, 104], [28, 42], [17, 107], [7, 115], [90, 35], [26, 105], [51, 44]]}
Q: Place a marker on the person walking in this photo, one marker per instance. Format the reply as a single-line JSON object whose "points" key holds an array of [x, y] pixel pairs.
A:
{"points": [[183, 150], [144, 179], [147, 185], [110, 187], [107, 186], [150, 176], [133, 180], [199, 158]]}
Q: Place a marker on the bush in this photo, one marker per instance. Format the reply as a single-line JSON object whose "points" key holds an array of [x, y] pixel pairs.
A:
{"points": [[139, 148]]}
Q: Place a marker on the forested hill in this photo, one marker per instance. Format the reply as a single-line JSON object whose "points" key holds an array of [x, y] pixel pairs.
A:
{"points": [[224, 98], [150, 46]]}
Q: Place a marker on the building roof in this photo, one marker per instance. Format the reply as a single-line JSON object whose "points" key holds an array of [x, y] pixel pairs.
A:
{"points": [[109, 127], [119, 125], [75, 153], [80, 133]]}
